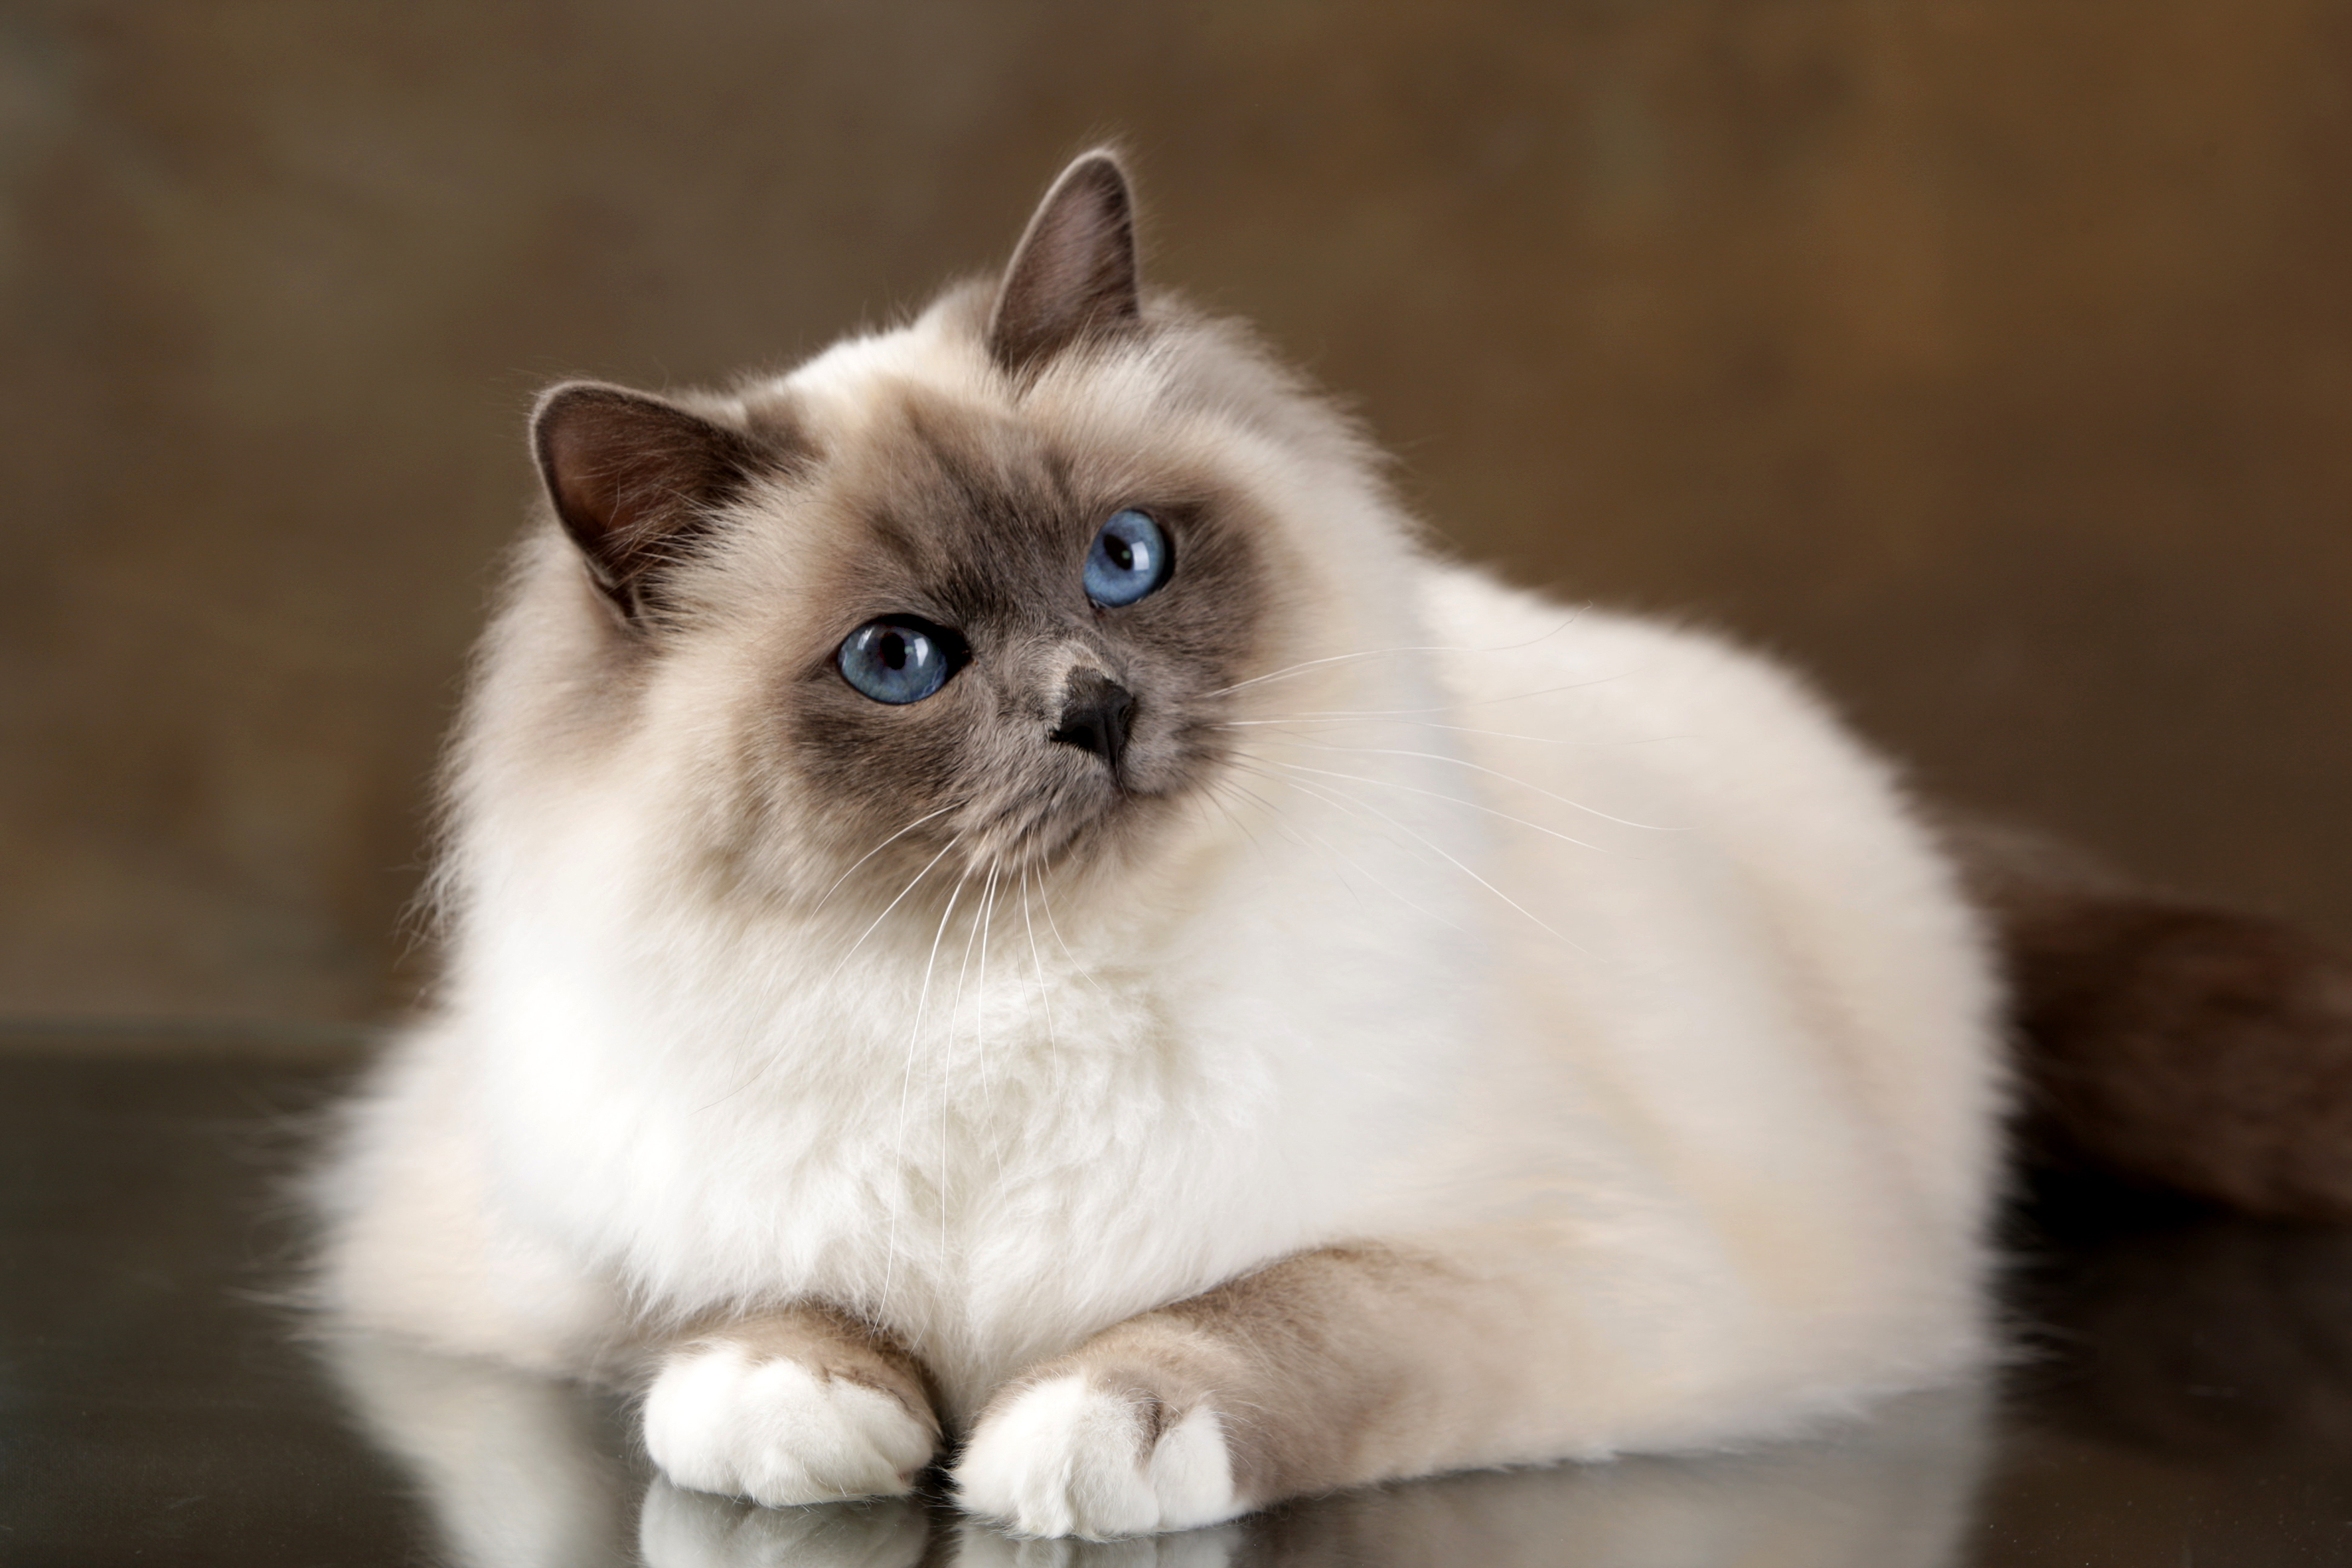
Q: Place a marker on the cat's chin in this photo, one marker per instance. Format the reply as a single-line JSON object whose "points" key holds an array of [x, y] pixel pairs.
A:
{"points": [[1107, 833], [1107, 821]]}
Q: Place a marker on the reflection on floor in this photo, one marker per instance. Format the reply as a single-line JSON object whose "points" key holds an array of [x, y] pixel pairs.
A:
{"points": [[2183, 1395], [518, 1470]]}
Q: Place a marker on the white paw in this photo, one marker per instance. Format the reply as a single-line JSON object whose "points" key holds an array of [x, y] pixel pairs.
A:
{"points": [[1064, 1458], [775, 1431]]}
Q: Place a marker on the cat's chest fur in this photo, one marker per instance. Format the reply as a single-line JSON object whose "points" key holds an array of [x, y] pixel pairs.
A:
{"points": [[972, 1134]]}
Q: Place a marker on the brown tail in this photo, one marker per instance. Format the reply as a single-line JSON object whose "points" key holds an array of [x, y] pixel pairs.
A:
{"points": [[2166, 1042]]}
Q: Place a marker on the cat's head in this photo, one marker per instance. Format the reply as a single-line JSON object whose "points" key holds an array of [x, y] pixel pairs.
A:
{"points": [[989, 590]]}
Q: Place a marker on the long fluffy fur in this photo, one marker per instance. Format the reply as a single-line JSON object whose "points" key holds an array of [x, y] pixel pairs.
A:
{"points": [[1580, 971]]}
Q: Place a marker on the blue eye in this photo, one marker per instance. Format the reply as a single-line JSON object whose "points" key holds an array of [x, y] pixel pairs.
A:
{"points": [[1130, 559], [896, 661]]}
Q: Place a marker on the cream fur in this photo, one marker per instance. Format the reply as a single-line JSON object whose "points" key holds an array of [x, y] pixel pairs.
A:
{"points": [[1706, 1104]]}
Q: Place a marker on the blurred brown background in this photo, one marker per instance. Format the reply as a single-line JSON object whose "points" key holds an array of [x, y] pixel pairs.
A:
{"points": [[1993, 360]]}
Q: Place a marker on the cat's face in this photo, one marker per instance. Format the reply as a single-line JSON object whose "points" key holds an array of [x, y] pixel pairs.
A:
{"points": [[1015, 631], [987, 592]]}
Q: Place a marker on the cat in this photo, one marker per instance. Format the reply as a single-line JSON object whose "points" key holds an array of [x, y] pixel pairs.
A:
{"points": [[1004, 905]]}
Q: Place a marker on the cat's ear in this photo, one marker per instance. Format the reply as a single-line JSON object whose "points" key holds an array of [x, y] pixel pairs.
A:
{"points": [[1074, 275], [633, 477]]}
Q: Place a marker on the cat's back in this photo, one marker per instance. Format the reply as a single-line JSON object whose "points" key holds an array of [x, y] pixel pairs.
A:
{"points": [[1710, 884]]}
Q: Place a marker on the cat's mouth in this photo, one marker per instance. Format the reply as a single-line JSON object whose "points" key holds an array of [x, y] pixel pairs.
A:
{"points": [[1095, 790], [1066, 822]]}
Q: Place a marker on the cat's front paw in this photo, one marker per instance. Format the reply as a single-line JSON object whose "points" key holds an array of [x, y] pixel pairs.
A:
{"points": [[721, 1418], [1065, 1457]]}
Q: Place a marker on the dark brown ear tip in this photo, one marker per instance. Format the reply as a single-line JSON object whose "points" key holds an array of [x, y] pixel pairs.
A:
{"points": [[1094, 184], [1101, 167], [566, 393], [566, 398], [569, 391], [1104, 179], [562, 409]]}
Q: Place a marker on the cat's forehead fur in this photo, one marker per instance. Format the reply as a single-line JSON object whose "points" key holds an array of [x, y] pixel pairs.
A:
{"points": [[925, 462]]}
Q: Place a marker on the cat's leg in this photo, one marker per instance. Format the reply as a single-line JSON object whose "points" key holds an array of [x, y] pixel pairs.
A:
{"points": [[1201, 1410], [1346, 1366], [798, 1405]]}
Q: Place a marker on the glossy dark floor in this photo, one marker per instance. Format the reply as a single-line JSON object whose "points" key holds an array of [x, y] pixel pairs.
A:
{"points": [[2184, 1398]]}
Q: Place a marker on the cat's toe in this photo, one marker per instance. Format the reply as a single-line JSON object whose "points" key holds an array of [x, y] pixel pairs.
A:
{"points": [[720, 1419], [1066, 1458]]}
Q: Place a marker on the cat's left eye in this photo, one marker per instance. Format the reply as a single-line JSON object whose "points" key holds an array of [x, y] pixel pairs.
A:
{"points": [[897, 662], [1128, 559]]}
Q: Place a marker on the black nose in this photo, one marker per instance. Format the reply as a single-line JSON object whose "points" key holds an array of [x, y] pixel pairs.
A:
{"points": [[1095, 711]]}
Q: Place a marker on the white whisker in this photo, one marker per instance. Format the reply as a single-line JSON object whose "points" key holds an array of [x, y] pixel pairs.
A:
{"points": [[1432, 724], [1317, 792], [1056, 927], [1230, 815], [761, 1069], [1455, 800], [980, 1019], [878, 849], [1491, 773], [894, 904], [1305, 665], [1454, 707], [907, 1086], [1342, 855], [1465, 871], [955, 1012], [1045, 992]]}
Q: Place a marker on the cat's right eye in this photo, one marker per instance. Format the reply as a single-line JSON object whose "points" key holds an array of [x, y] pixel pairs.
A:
{"points": [[1129, 560], [897, 662]]}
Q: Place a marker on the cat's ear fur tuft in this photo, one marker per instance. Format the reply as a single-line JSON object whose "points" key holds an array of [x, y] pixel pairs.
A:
{"points": [[633, 477], [1074, 275]]}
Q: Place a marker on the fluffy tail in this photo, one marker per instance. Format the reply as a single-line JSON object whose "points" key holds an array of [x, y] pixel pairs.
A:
{"points": [[2169, 1042]]}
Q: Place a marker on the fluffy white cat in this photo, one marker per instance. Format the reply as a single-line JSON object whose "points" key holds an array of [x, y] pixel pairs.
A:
{"points": [[1001, 906]]}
